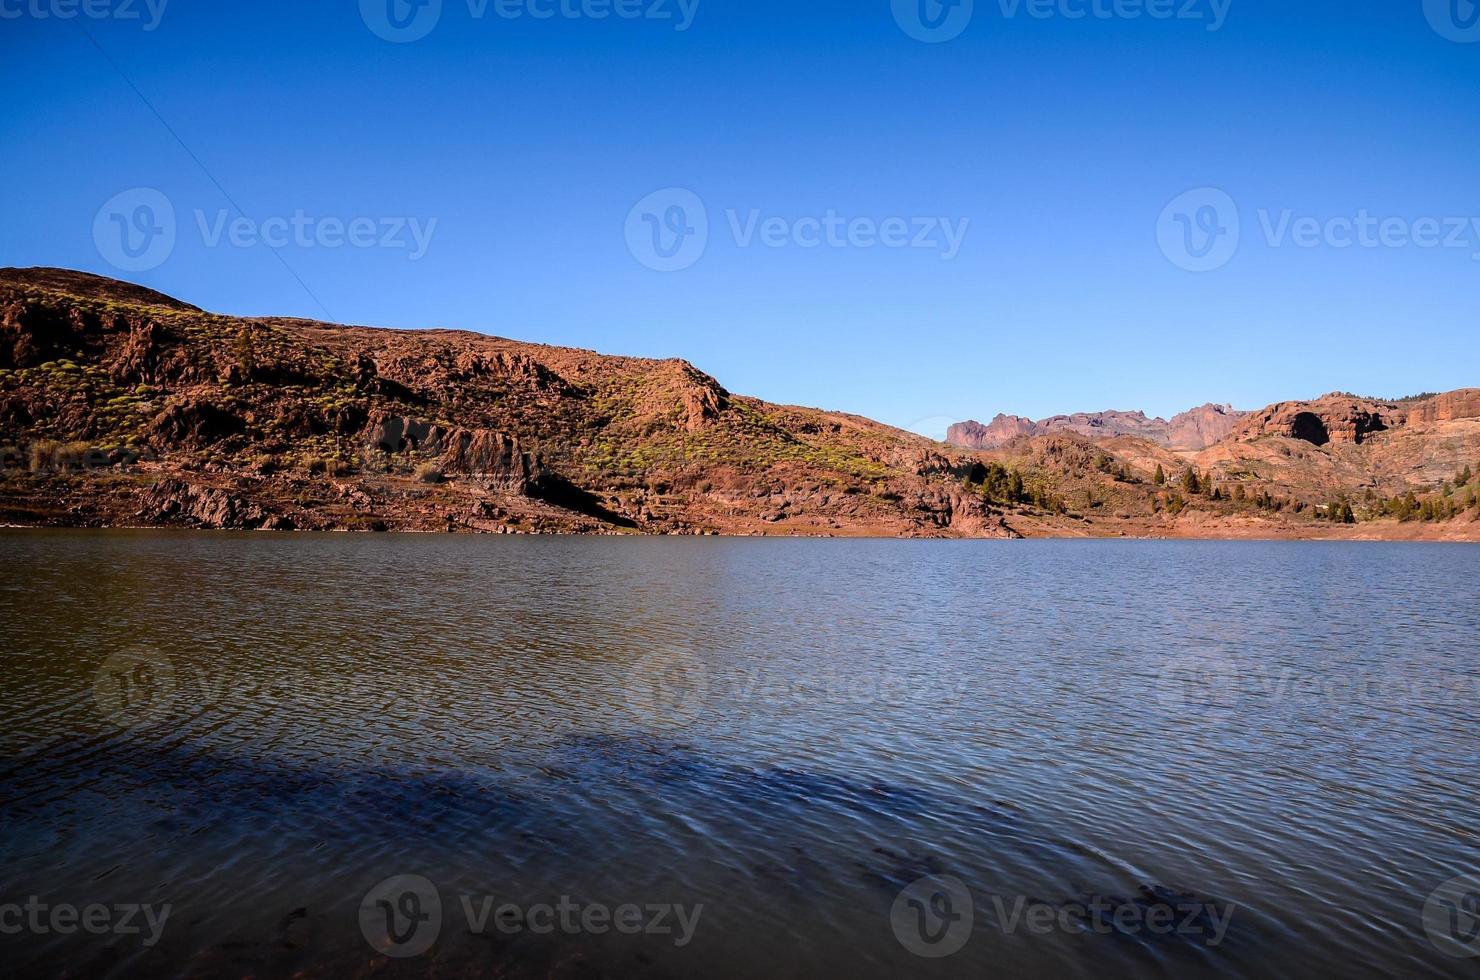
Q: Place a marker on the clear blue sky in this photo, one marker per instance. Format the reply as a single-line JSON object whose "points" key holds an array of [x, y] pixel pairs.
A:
{"points": [[530, 141]]}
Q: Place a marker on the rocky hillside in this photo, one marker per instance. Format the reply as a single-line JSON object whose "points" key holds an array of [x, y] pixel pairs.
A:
{"points": [[120, 406]]}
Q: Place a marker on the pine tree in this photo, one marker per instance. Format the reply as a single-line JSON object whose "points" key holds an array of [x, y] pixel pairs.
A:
{"points": [[1189, 480], [1160, 479]]}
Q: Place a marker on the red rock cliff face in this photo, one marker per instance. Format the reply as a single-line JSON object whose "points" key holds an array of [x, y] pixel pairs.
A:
{"points": [[1201, 427], [1448, 407], [1331, 418], [1002, 430]]}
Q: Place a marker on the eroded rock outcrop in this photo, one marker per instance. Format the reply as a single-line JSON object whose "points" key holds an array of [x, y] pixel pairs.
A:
{"points": [[399, 434], [1332, 418], [192, 423], [31, 334], [177, 502], [494, 457], [999, 432]]}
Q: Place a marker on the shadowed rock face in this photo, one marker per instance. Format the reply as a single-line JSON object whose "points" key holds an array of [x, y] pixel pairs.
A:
{"points": [[1308, 426]]}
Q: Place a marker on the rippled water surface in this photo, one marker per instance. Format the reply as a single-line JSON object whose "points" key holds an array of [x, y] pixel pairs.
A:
{"points": [[1276, 744]]}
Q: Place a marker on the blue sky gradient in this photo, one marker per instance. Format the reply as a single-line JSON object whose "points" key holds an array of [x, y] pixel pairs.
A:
{"points": [[1058, 142]]}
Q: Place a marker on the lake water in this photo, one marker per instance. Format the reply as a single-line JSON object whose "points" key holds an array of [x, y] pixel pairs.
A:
{"points": [[736, 758]]}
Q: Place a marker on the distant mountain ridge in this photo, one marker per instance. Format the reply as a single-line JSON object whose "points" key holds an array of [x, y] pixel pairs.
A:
{"points": [[1194, 429]]}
